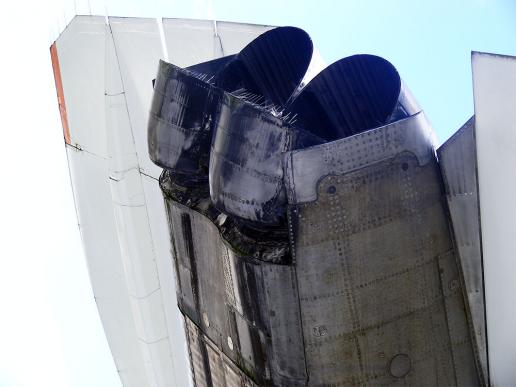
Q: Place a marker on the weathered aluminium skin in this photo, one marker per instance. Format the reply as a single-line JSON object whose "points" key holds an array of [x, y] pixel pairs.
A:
{"points": [[457, 158], [245, 306], [377, 277], [241, 302], [312, 251]]}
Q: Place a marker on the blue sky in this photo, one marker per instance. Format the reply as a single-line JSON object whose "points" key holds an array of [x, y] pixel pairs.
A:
{"points": [[429, 42], [50, 333]]}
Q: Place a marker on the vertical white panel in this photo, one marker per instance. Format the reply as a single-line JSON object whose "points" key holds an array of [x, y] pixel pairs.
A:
{"points": [[111, 207], [81, 49], [235, 36], [494, 84], [98, 231], [81, 56], [189, 41], [138, 50], [139, 256], [192, 41], [107, 73]]}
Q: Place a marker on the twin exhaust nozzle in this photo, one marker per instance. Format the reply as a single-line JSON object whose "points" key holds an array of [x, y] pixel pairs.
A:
{"points": [[231, 122]]}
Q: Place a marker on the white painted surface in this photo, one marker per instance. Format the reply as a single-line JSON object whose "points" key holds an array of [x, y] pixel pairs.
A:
{"points": [[189, 41], [107, 72], [138, 50], [192, 41], [81, 58], [133, 230], [494, 84], [92, 196], [235, 36]]}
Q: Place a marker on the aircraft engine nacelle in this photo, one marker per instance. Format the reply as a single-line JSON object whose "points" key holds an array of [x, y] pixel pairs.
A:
{"points": [[310, 236]]}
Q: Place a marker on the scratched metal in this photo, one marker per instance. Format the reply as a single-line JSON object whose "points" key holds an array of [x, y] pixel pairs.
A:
{"points": [[369, 237], [457, 158], [462, 343], [246, 173], [305, 167], [203, 276], [214, 369], [186, 102], [246, 306], [180, 121]]}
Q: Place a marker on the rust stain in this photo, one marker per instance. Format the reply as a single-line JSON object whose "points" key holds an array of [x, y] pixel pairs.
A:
{"points": [[60, 93]]}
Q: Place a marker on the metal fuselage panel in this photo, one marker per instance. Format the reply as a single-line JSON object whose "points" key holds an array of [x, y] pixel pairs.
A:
{"points": [[372, 294], [246, 308], [457, 159], [379, 290], [310, 254]]}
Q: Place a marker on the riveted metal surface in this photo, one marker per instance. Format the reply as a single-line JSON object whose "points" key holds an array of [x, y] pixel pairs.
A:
{"points": [[305, 167], [211, 367], [369, 292], [288, 364], [400, 365], [199, 361], [457, 159], [460, 336], [246, 307], [366, 262], [197, 238]]}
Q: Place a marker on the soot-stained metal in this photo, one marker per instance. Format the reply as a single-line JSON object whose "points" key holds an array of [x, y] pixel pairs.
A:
{"points": [[311, 240]]}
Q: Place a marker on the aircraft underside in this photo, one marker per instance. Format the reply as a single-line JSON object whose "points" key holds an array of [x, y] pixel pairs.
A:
{"points": [[311, 233]]}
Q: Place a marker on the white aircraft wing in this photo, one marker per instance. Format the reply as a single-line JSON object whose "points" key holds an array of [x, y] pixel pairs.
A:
{"points": [[104, 69]]}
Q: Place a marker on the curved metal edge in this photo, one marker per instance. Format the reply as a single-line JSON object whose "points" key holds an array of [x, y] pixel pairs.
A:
{"points": [[316, 65], [457, 160], [273, 65], [245, 169], [270, 248], [304, 168], [181, 146]]}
